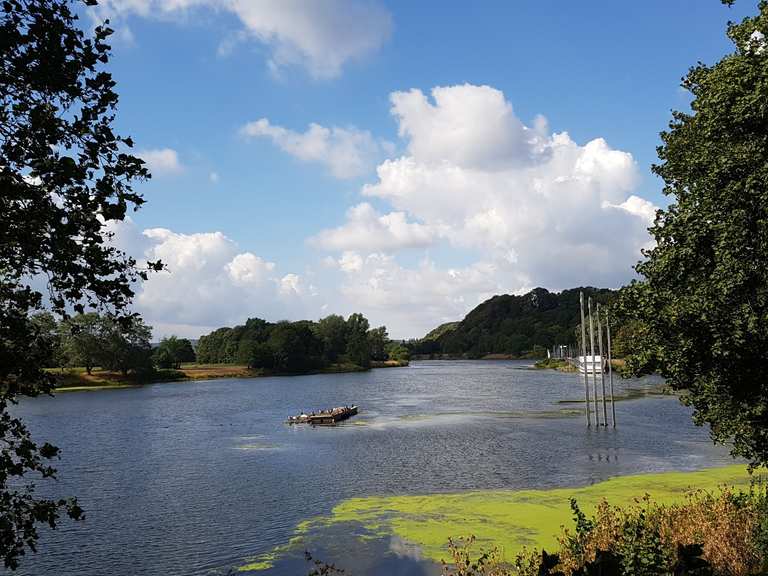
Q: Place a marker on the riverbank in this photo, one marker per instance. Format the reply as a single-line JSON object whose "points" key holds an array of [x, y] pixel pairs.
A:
{"points": [[504, 519], [78, 380], [617, 364], [470, 357]]}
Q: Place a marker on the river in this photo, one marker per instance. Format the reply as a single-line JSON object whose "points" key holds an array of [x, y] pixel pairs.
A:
{"points": [[198, 477]]}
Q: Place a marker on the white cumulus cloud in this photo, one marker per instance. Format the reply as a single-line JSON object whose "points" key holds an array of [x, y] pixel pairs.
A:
{"points": [[412, 300], [367, 230], [319, 35], [537, 203], [208, 281], [528, 206], [161, 161], [346, 152]]}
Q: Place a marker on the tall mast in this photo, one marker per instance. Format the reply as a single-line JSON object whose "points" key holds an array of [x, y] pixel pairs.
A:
{"points": [[584, 360], [592, 360], [610, 369], [602, 372]]}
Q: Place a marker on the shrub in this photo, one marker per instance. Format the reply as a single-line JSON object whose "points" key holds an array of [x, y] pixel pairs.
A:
{"points": [[723, 534]]}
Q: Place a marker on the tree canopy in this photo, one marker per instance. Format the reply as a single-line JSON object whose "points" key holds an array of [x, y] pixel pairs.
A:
{"points": [[64, 175], [294, 347], [702, 302], [511, 324], [173, 351]]}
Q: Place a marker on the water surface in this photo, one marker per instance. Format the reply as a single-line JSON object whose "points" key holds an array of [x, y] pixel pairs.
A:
{"points": [[196, 478]]}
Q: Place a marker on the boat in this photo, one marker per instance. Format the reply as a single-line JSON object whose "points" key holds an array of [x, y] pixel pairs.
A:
{"points": [[591, 364], [327, 417]]}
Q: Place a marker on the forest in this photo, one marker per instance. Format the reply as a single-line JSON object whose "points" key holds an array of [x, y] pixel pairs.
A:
{"points": [[303, 346], [519, 326]]}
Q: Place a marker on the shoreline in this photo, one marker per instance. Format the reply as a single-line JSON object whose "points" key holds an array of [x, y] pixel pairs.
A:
{"points": [[422, 357], [76, 380]]}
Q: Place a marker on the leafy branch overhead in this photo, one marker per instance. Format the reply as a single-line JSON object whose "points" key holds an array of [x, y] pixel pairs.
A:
{"points": [[64, 176], [702, 302]]}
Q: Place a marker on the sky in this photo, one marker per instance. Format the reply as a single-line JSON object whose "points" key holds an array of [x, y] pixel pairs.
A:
{"points": [[406, 160]]}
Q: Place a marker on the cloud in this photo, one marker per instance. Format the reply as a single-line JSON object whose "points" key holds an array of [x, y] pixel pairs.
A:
{"points": [[468, 126], [161, 161], [413, 300], [346, 152], [368, 230], [546, 210], [247, 269], [320, 35], [527, 206], [208, 282]]}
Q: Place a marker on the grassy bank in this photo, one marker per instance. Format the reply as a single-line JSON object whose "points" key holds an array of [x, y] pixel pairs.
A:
{"points": [[617, 364], [77, 379], [389, 363], [555, 364], [505, 519]]}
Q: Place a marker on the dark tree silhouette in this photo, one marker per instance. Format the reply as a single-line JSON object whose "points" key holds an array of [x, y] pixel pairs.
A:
{"points": [[64, 174]]}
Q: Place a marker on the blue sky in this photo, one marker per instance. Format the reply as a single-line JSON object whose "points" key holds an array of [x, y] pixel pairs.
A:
{"points": [[479, 187]]}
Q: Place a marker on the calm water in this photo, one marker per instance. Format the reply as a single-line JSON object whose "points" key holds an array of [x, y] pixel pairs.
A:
{"points": [[193, 478]]}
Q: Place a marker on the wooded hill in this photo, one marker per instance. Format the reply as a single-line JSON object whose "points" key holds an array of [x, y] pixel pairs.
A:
{"points": [[512, 325]]}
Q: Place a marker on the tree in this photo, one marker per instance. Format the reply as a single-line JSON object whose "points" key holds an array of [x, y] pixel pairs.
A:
{"points": [[83, 340], [397, 351], [377, 342], [172, 352], [211, 347], [259, 355], [64, 175], [125, 345], [332, 330], [296, 347], [358, 349], [50, 335], [703, 297]]}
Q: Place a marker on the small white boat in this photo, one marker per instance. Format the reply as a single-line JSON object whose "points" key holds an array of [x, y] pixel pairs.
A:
{"points": [[591, 364]]}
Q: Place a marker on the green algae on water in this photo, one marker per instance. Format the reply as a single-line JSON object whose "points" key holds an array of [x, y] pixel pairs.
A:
{"points": [[511, 519], [505, 519]]}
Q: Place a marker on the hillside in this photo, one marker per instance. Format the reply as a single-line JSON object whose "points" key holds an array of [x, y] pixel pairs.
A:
{"points": [[512, 325]]}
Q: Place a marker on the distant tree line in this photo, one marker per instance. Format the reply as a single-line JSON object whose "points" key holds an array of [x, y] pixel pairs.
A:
{"points": [[121, 345], [525, 325], [300, 346]]}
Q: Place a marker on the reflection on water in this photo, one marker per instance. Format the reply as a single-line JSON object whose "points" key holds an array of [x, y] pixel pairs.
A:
{"points": [[195, 478]]}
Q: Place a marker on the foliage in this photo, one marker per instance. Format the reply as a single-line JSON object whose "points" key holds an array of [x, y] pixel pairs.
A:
{"points": [[81, 340], [509, 324], [703, 296], [64, 175], [464, 564], [125, 345], [91, 340], [172, 352], [358, 345], [377, 343], [707, 535], [396, 351], [295, 347], [332, 330], [441, 330]]}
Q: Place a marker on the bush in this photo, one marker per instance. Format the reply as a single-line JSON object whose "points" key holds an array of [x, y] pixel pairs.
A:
{"points": [[724, 534]]}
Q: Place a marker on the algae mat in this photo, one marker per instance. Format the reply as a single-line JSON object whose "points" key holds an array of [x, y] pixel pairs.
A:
{"points": [[507, 519]]}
